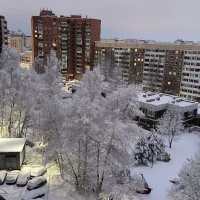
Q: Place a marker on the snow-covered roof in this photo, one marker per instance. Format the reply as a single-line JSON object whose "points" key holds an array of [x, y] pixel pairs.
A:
{"points": [[159, 101], [12, 144]]}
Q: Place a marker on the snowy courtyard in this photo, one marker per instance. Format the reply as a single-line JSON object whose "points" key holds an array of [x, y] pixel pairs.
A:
{"points": [[158, 177]]}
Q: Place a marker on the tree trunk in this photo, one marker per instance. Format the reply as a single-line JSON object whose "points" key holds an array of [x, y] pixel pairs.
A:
{"points": [[98, 189], [85, 162]]}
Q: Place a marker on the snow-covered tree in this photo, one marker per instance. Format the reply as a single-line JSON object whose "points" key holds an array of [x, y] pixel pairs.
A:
{"points": [[148, 148], [188, 184], [99, 131], [170, 125], [141, 152], [49, 113], [16, 96]]}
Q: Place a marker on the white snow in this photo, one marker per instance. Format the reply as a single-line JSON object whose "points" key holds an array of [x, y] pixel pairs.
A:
{"points": [[12, 144], [160, 99], [158, 177]]}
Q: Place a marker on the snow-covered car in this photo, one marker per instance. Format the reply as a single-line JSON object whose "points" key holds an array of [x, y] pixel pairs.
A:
{"points": [[12, 176], [36, 182], [38, 171], [37, 199], [3, 174], [33, 194], [164, 157], [23, 178]]}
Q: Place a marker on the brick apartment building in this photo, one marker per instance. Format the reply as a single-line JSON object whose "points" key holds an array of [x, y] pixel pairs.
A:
{"points": [[172, 68], [3, 32], [71, 37]]}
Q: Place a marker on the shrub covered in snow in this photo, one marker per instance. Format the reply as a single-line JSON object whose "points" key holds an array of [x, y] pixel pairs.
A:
{"points": [[148, 149]]}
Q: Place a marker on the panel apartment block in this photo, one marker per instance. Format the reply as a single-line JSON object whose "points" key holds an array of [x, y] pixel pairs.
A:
{"points": [[71, 37], [172, 68]]}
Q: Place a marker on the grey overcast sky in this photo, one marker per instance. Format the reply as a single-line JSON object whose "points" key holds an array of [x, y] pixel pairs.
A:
{"points": [[161, 20]]}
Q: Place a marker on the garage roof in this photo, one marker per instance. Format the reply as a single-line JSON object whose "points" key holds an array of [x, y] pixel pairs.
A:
{"points": [[12, 144]]}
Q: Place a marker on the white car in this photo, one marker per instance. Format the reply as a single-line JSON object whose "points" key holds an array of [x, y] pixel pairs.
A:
{"points": [[33, 194], [23, 178], [12, 176], [36, 182], [3, 174], [39, 171]]}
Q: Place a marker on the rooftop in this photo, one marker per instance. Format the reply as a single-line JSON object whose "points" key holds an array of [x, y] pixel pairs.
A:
{"points": [[159, 101], [160, 98], [12, 144]]}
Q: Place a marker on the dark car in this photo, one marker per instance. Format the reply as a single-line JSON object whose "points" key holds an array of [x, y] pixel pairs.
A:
{"points": [[12, 176], [23, 178], [36, 182], [2, 198]]}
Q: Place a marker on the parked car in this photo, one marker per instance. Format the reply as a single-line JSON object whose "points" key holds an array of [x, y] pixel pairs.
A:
{"points": [[23, 178], [33, 194], [39, 171], [164, 157], [3, 174], [35, 199], [36, 182], [12, 176], [2, 198]]}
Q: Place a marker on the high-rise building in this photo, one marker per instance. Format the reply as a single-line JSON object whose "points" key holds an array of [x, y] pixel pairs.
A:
{"points": [[172, 68], [19, 41], [3, 32], [71, 37]]}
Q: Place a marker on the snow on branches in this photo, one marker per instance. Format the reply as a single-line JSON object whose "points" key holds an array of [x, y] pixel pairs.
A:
{"points": [[148, 149], [187, 186]]}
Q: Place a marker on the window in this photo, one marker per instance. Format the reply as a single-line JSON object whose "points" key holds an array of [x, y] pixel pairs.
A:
{"points": [[150, 113]]}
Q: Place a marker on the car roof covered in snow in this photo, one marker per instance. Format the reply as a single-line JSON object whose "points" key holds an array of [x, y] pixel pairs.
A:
{"points": [[12, 144]]}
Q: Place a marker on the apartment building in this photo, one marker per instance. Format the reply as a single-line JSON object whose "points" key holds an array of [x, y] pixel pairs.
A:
{"points": [[17, 42], [3, 32], [71, 37], [172, 68]]}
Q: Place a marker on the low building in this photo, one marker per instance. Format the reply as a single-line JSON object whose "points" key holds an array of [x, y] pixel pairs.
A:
{"points": [[12, 153], [153, 105]]}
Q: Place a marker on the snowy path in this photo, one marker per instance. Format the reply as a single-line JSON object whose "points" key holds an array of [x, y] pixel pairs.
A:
{"points": [[158, 177]]}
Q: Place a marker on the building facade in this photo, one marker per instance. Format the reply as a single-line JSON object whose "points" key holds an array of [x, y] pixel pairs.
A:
{"points": [[3, 32], [71, 37], [16, 42], [12, 153], [172, 68], [26, 58]]}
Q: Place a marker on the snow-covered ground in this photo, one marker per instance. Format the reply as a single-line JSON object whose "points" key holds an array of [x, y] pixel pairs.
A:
{"points": [[158, 177]]}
